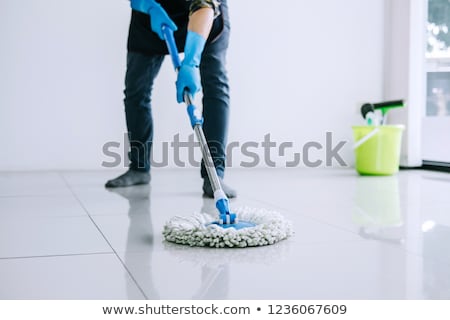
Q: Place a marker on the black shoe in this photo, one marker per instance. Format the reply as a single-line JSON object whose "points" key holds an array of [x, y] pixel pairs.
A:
{"points": [[129, 178], [208, 191]]}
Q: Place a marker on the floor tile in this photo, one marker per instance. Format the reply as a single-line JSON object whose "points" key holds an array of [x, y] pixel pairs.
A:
{"points": [[355, 270], [355, 237], [32, 184], [40, 206], [41, 236], [68, 277]]}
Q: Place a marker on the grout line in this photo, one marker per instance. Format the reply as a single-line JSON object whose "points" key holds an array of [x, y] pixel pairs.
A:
{"points": [[104, 237], [57, 255], [36, 195]]}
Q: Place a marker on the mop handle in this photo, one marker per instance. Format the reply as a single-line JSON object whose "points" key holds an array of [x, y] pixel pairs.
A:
{"points": [[196, 119], [389, 104]]}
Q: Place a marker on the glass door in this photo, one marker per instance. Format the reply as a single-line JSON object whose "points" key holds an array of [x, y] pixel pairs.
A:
{"points": [[436, 123]]}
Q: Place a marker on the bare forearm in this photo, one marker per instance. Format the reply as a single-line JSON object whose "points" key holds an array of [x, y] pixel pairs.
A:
{"points": [[201, 21]]}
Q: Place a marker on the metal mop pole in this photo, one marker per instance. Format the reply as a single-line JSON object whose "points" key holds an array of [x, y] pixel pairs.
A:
{"points": [[207, 158], [225, 217]]}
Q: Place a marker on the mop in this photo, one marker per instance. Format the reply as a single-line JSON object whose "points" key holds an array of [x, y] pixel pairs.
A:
{"points": [[246, 227], [368, 111]]}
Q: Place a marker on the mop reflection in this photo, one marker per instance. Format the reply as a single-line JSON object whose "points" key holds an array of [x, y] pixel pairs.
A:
{"points": [[214, 279], [140, 230], [377, 209], [215, 263]]}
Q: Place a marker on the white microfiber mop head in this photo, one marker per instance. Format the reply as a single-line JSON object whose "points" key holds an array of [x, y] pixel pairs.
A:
{"points": [[198, 231]]}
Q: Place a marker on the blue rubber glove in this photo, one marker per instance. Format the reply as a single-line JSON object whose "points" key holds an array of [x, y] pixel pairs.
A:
{"points": [[142, 5], [159, 16], [189, 73]]}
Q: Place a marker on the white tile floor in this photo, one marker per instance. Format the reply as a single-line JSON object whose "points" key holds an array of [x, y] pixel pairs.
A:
{"points": [[63, 236]]}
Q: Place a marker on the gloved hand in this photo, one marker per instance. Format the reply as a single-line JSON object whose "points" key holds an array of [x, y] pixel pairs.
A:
{"points": [[189, 73], [142, 5], [158, 15]]}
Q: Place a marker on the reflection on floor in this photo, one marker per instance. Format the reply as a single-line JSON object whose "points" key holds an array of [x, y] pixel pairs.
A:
{"points": [[64, 236]]}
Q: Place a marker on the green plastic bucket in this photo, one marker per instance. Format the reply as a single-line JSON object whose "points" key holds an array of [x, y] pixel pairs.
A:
{"points": [[377, 149]]}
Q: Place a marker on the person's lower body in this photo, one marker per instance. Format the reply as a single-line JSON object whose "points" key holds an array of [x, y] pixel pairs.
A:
{"points": [[141, 71]]}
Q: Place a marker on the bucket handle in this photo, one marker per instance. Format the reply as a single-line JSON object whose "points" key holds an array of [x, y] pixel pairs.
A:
{"points": [[363, 140]]}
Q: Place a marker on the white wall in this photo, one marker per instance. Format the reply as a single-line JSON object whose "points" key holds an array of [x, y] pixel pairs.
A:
{"points": [[297, 70]]}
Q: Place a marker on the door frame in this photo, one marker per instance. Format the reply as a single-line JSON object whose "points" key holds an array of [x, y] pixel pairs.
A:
{"points": [[405, 70]]}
